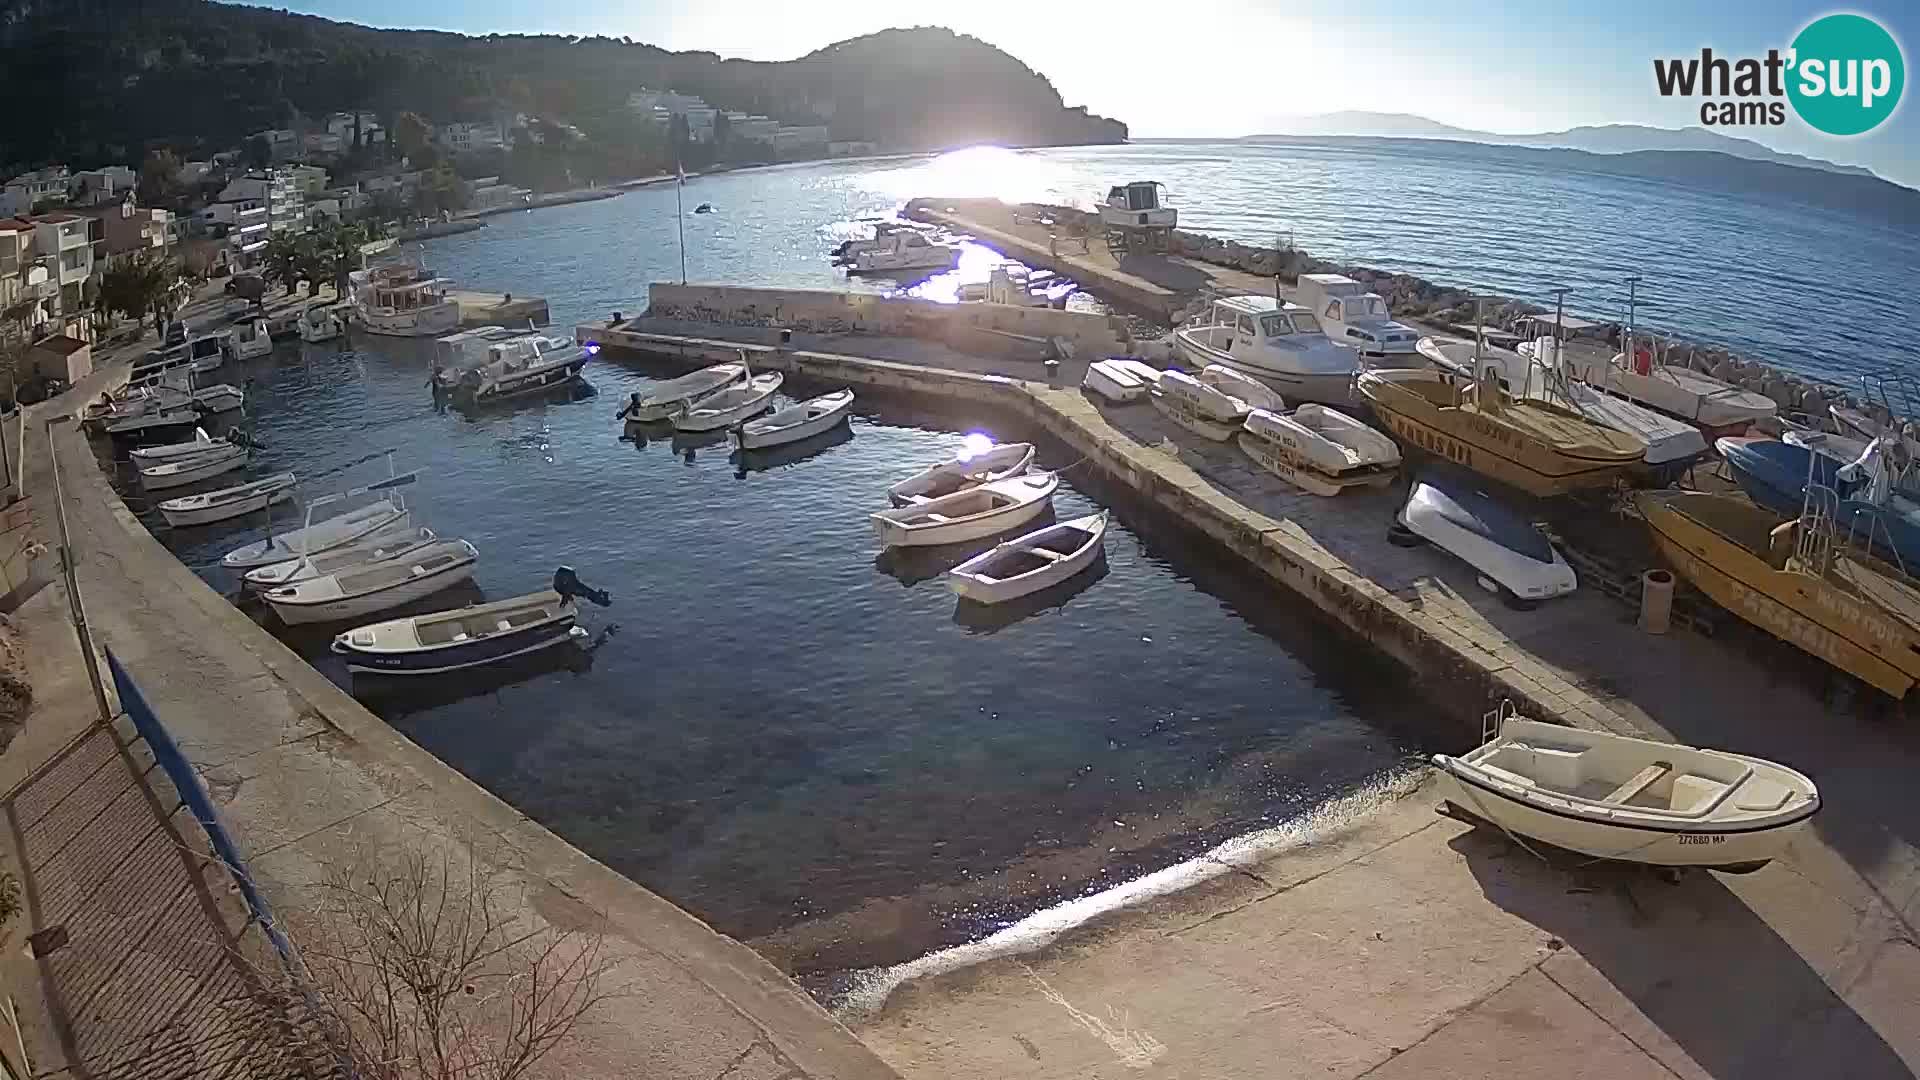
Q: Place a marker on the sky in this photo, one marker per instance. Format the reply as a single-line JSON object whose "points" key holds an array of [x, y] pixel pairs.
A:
{"points": [[1203, 68]]}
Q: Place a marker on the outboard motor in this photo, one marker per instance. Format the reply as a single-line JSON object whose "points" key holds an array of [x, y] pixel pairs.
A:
{"points": [[568, 585]]}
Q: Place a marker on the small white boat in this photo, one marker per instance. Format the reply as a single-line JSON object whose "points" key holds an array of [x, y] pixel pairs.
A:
{"points": [[1234, 383], [1320, 449], [208, 352], [462, 638], [1115, 383], [1027, 564], [219, 398], [317, 324], [1448, 509], [1201, 409], [964, 470], [730, 406], [201, 443], [132, 401], [1281, 344], [1135, 205], [181, 471], [233, 502], [252, 340], [796, 422], [526, 364], [1721, 408], [316, 536], [1534, 371], [966, 515], [388, 542], [903, 250], [1632, 800], [674, 395], [363, 590]]}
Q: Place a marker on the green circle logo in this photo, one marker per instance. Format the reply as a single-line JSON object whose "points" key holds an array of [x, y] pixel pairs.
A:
{"points": [[1847, 74]]}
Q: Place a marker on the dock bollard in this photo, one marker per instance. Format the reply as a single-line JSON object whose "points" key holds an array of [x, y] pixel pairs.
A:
{"points": [[1656, 601], [1053, 372]]}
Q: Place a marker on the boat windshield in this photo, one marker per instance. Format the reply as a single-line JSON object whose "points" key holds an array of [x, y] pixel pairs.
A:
{"points": [[1372, 305], [1305, 323]]}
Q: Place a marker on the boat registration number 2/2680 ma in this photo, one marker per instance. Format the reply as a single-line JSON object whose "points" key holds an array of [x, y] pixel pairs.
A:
{"points": [[1702, 838]]}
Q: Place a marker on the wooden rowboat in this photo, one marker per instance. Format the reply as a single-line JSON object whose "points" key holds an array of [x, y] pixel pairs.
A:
{"points": [[1027, 564]]}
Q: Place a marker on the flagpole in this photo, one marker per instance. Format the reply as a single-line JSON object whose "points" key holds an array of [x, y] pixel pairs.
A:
{"points": [[680, 214]]}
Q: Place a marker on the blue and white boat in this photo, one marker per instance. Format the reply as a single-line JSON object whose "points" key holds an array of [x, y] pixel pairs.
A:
{"points": [[529, 364], [1775, 474], [470, 636]]}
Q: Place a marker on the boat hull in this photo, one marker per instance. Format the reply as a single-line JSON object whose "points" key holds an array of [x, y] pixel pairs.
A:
{"points": [[192, 470], [389, 542], [820, 424], [237, 508], [1433, 515], [997, 463], [327, 534], [436, 661], [1113, 384], [532, 382]]}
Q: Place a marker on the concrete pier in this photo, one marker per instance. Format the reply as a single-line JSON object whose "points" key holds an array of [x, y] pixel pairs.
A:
{"points": [[496, 309]]}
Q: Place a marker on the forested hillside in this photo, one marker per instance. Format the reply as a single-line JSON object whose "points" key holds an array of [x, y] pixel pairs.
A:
{"points": [[91, 81]]}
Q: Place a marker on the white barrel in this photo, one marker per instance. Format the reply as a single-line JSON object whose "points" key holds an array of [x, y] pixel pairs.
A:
{"points": [[1656, 601]]}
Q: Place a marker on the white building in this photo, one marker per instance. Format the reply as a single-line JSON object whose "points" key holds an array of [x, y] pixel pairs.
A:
{"points": [[465, 138], [700, 123], [27, 191], [98, 187], [64, 239], [26, 278], [274, 189], [309, 180]]}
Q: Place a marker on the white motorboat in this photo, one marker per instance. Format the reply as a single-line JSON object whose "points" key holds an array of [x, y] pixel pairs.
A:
{"points": [[363, 590], [201, 443], [181, 471], [1632, 800], [972, 514], [318, 324], [1449, 509], [252, 340], [526, 364], [161, 365], [848, 250], [672, 396], [401, 299], [131, 401], [797, 422], [1198, 407], [1138, 368], [208, 352], [226, 503], [1721, 408], [1256, 394], [388, 542], [971, 467], [903, 250], [1533, 372], [326, 534], [730, 406], [1320, 449], [462, 638], [218, 398], [1137, 205], [1282, 345], [1351, 314], [1115, 383], [1027, 564]]}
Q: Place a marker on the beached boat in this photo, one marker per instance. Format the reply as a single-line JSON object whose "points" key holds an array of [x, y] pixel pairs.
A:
{"points": [[1233, 383], [1448, 508], [401, 299], [1775, 474], [392, 541], [1137, 205], [1534, 446], [318, 324], [317, 536], [181, 471], [363, 590], [526, 364], [730, 406], [973, 514], [1792, 580], [797, 422], [209, 507], [1319, 449], [1115, 383], [462, 638], [1027, 564], [970, 468], [1280, 344], [1198, 407], [1017, 287], [1633, 800], [1719, 408], [667, 398], [903, 251], [1355, 316], [252, 340]]}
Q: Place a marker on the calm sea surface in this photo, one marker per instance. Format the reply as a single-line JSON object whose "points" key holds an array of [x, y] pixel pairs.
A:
{"points": [[817, 748]]}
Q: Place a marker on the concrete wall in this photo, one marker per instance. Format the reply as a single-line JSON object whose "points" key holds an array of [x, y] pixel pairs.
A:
{"points": [[846, 312]]}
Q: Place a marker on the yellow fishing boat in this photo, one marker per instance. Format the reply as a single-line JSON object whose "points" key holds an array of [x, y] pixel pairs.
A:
{"points": [[1535, 446], [1788, 579]]}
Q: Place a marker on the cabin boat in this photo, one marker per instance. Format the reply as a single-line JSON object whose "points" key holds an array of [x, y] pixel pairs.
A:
{"points": [[1449, 509], [1534, 446], [363, 590], [1136, 205], [796, 422], [1793, 580], [1113, 382], [1352, 315], [252, 340], [1202, 409], [667, 398], [326, 534], [882, 233], [391, 541], [402, 300], [731, 405], [527, 364], [1632, 800], [973, 514], [318, 324], [181, 471], [970, 468], [1026, 564], [462, 638], [1279, 344], [208, 352], [227, 503], [903, 250], [1319, 449]]}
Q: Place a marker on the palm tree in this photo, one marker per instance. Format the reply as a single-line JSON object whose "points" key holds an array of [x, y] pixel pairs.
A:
{"points": [[286, 260]]}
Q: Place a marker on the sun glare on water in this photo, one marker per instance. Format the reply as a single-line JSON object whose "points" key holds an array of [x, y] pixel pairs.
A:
{"points": [[978, 172]]}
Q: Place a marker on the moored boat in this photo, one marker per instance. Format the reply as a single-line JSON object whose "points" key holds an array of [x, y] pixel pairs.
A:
{"points": [[181, 471], [796, 422], [526, 364], [363, 590], [1280, 344], [667, 398], [318, 324], [226, 503], [314, 537], [401, 299], [156, 424], [387, 542], [251, 340], [218, 398], [1633, 800], [903, 251], [1448, 508], [470, 636], [201, 443], [972, 514], [1026, 564], [1319, 449], [731, 405], [969, 468]]}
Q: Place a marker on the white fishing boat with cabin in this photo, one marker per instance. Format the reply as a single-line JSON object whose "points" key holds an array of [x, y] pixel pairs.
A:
{"points": [[796, 422], [388, 542], [901, 251], [1026, 564], [1279, 344], [1202, 409], [972, 514], [978, 461], [207, 352], [226, 503], [730, 406], [401, 299], [1319, 449], [326, 534], [525, 364], [181, 471], [1353, 315], [1627, 799], [363, 590]]}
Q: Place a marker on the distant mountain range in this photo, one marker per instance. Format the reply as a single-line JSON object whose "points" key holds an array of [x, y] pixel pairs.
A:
{"points": [[1602, 139]]}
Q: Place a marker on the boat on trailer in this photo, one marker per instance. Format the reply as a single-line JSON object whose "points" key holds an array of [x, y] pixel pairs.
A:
{"points": [[227, 503], [966, 469], [1202, 409], [1319, 449], [973, 514], [470, 636], [1026, 564], [1627, 799], [796, 422]]}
